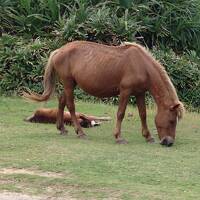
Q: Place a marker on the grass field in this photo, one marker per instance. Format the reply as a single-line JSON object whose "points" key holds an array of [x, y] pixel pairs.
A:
{"points": [[36, 160]]}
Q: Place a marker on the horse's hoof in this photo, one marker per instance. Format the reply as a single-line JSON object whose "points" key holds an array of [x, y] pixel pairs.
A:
{"points": [[63, 132], [82, 136], [121, 141], [150, 140]]}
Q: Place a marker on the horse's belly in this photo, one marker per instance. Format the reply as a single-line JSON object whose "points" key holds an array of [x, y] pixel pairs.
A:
{"points": [[100, 90], [99, 82]]}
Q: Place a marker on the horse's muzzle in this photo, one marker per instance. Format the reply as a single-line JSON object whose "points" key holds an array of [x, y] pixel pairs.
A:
{"points": [[167, 141]]}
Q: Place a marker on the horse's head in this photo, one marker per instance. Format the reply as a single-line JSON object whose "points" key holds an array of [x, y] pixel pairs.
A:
{"points": [[166, 120]]}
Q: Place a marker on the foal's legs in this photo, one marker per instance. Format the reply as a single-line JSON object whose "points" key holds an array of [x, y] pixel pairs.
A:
{"points": [[60, 114], [123, 100], [71, 107], [140, 100]]}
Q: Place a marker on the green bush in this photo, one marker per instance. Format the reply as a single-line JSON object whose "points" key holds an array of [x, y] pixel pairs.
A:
{"points": [[175, 24], [22, 66], [184, 72], [99, 23], [22, 62], [31, 29]]}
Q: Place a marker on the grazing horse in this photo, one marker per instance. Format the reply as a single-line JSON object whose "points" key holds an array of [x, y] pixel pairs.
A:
{"points": [[106, 71]]}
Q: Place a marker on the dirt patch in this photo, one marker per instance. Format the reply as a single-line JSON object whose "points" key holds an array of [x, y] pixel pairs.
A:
{"points": [[30, 172], [5, 181], [19, 196], [52, 193]]}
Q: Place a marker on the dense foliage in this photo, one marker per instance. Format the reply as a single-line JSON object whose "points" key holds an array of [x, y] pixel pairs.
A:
{"points": [[162, 22], [22, 62], [31, 29], [184, 72]]}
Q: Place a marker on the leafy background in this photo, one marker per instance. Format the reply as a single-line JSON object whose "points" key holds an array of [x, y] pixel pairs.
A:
{"points": [[31, 29]]}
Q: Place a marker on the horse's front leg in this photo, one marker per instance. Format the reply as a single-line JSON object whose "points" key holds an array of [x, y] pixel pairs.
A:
{"points": [[60, 115], [71, 107], [123, 100], [140, 100]]}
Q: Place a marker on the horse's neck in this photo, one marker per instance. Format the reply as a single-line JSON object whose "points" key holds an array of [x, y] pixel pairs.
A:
{"points": [[162, 89]]}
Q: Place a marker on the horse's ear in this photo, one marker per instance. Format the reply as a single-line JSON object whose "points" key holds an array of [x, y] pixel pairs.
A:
{"points": [[179, 107], [174, 107]]}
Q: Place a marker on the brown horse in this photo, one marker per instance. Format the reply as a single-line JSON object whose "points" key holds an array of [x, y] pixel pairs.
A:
{"points": [[49, 115], [105, 71]]}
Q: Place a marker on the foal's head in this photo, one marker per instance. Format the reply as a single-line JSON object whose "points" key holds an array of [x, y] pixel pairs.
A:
{"points": [[166, 120]]}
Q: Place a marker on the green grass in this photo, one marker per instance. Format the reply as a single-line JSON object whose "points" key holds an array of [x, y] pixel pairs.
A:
{"points": [[97, 168]]}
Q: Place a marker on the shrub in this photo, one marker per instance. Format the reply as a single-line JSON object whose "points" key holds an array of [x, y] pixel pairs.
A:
{"points": [[155, 22], [184, 72], [34, 28], [22, 62], [22, 65], [175, 24], [28, 17], [99, 23]]}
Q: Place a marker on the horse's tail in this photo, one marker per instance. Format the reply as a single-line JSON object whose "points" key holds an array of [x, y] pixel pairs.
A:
{"points": [[49, 82]]}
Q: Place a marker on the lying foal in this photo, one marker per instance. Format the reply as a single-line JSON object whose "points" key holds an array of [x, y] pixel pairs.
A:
{"points": [[48, 115]]}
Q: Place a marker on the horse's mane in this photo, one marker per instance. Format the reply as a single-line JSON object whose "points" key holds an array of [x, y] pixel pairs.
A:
{"points": [[160, 68], [180, 111]]}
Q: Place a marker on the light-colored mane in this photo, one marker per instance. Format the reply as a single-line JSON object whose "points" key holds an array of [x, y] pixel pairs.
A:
{"points": [[180, 111], [160, 68]]}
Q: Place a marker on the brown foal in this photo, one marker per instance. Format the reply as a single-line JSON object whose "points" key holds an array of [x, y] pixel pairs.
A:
{"points": [[49, 115]]}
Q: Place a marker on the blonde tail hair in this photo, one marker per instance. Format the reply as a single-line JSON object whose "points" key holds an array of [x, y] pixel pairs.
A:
{"points": [[49, 82]]}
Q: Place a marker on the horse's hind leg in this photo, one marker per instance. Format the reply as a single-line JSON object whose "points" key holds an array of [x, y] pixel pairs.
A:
{"points": [[60, 114], [140, 100], [123, 100], [71, 107]]}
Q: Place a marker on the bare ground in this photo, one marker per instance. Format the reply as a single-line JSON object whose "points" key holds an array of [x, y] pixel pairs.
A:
{"points": [[30, 172], [5, 195], [19, 196]]}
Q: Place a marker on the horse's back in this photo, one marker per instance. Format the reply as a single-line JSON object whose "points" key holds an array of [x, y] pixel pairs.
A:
{"points": [[97, 69]]}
